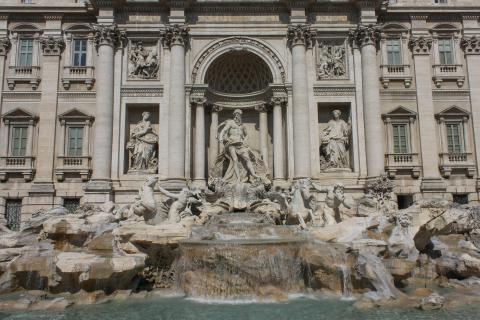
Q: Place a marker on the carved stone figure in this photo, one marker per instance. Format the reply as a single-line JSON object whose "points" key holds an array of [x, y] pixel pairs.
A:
{"points": [[301, 206], [334, 200], [183, 204], [238, 163], [144, 205], [378, 198], [335, 143], [143, 62], [331, 61], [400, 243], [143, 146]]}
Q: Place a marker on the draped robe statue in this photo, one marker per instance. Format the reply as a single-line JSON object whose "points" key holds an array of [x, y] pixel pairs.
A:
{"points": [[143, 146], [334, 143]]}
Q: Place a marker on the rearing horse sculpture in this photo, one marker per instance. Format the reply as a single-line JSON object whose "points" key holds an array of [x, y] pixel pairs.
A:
{"points": [[302, 205]]}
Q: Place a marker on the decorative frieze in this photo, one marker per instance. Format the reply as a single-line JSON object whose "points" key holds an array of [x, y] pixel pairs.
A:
{"points": [[52, 46], [421, 45], [334, 91], [4, 46], [365, 35], [176, 35], [331, 61], [300, 34], [109, 35], [142, 92], [471, 45]]}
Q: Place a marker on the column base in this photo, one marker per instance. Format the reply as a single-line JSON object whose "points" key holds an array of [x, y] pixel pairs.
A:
{"points": [[281, 183], [433, 185], [40, 188], [199, 183], [98, 191]]}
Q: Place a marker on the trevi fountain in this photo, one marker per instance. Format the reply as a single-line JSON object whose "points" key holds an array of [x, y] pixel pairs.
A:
{"points": [[243, 249]]}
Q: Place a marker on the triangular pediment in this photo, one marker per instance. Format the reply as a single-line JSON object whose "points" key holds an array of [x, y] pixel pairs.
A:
{"points": [[400, 111], [18, 115], [74, 114], [453, 111]]}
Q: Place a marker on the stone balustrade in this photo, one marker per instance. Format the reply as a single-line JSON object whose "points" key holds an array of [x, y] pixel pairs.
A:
{"points": [[78, 74], [75, 166], [24, 166], [28, 74], [448, 72], [463, 162], [400, 72], [406, 162]]}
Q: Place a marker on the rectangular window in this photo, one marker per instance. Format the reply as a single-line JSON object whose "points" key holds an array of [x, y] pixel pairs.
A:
{"points": [[440, 1], [79, 53], [25, 52], [13, 213], [454, 137], [400, 138], [71, 204], [445, 50], [394, 52], [18, 142], [75, 142], [460, 198], [404, 201]]}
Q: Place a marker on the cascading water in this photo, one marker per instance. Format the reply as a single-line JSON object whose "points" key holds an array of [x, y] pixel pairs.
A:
{"points": [[243, 259], [346, 282]]}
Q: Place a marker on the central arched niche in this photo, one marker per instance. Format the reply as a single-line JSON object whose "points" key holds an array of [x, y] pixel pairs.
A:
{"points": [[238, 72]]}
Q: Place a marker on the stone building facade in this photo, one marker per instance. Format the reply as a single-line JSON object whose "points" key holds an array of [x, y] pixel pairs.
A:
{"points": [[95, 95]]}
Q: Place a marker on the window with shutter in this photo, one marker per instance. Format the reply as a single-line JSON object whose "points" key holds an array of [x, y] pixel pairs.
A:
{"points": [[400, 138], [454, 139], [394, 52], [79, 53], [445, 50], [25, 52], [18, 142], [75, 142]]}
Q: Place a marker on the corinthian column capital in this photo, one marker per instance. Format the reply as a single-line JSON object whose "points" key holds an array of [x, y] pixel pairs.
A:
{"points": [[471, 45], [198, 100], [4, 45], [365, 35], [300, 34], [108, 35], [176, 35], [278, 101], [52, 46], [420, 45]]}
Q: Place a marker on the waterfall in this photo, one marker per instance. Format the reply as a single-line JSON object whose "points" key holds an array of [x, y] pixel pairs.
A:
{"points": [[346, 282]]}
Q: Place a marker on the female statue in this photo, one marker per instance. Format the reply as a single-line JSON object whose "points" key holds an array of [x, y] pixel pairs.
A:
{"points": [[143, 146]]}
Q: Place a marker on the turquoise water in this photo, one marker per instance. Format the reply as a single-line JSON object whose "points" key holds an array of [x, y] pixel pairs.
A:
{"points": [[184, 309]]}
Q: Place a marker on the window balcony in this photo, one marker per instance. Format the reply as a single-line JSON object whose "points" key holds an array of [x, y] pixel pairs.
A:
{"points": [[17, 166], [457, 162], [402, 162], [78, 74], [74, 166], [23, 74], [448, 72], [400, 72]]}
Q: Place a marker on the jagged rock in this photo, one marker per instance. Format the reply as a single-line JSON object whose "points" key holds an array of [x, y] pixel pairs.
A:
{"points": [[400, 269], [432, 302], [346, 231]]}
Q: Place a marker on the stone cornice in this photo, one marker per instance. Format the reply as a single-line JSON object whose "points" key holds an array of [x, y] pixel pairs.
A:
{"points": [[300, 34], [365, 35], [108, 35], [142, 91], [420, 45], [175, 35], [471, 45], [53, 16], [4, 45], [52, 46]]}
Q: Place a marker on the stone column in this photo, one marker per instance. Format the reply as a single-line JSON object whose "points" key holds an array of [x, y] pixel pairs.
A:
{"points": [[107, 39], [263, 124], [366, 37], [4, 47], [300, 36], [52, 47], [421, 49], [213, 134], [278, 146], [471, 46], [176, 37], [199, 159]]}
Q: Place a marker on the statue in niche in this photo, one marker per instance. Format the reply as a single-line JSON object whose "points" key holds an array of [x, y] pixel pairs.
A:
{"points": [[238, 163], [143, 146], [335, 143], [331, 61], [143, 62]]}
